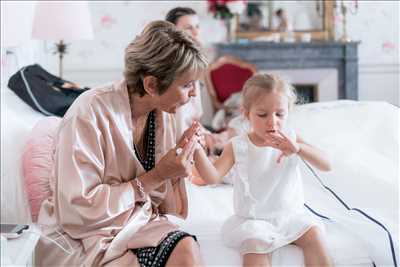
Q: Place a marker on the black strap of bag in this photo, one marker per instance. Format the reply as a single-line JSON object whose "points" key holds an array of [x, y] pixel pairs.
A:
{"points": [[29, 91]]}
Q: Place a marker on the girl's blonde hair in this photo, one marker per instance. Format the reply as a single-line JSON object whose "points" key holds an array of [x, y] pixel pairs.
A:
{"points": [[162, 51], [263, 83]]}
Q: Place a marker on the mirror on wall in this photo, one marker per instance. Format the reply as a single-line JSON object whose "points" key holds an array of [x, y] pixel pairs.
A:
{"points": [[261, 19]]}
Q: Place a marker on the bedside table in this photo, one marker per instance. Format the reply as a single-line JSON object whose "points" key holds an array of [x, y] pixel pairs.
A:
{"points": [[19, 251]]}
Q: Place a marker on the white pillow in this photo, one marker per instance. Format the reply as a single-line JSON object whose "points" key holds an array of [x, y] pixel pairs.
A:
{"points": [[17, 120]]}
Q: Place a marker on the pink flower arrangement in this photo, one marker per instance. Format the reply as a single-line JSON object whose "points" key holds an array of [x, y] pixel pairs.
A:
{"points": [[225, 9]]}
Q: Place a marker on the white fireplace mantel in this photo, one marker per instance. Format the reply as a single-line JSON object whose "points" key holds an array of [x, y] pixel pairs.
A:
{"points": [[325, 80]]}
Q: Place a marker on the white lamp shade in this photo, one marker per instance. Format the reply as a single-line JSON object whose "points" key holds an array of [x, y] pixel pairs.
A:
{"points": [[62, 20], [16, 22]]}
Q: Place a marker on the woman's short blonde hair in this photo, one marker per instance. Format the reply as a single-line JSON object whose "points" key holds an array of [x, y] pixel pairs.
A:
{"points": [[162, 51], [263, 83]]}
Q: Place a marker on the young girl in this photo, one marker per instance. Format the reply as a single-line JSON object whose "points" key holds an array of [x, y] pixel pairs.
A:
{"points": [[268, 197]]}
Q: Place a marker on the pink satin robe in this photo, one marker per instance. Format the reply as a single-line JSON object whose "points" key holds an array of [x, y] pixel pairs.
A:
{"points": [[93, 203]]}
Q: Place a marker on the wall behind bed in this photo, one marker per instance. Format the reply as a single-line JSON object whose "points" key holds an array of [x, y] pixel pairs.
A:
{"points": [[98, 61], [375, 24], [16, 20]]}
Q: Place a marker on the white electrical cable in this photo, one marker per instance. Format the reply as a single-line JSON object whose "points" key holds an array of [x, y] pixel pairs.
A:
{"points": [[71, 250]]}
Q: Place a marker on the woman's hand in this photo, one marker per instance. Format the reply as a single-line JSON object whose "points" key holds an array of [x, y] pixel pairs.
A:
{"points": [[282, 142], [178, 162]]}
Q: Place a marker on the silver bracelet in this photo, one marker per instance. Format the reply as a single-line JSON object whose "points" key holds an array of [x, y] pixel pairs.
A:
{"points": [[141, 189]]}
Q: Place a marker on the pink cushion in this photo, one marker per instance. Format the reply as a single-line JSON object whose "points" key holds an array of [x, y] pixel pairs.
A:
{"points": [[37, 162]]}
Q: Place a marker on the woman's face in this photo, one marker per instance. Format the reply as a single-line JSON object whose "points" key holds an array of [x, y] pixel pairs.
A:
{"points": [[191, 25], [179, 92]]}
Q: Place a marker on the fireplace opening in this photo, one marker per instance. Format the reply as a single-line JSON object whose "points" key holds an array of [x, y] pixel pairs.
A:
{"points": [[306, 93]]}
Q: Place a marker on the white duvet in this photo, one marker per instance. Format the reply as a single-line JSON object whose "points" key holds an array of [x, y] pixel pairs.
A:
{"points": [[362, 139]]}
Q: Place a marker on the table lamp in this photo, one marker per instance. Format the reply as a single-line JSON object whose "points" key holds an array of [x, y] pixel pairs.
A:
{"points": [[60, 21], [16, 23], [16, 29]]}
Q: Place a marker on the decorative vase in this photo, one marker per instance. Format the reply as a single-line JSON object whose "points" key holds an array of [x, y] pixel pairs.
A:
{"points": [[230, 25]]}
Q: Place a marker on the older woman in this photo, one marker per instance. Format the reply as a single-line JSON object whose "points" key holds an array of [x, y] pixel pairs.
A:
{"points": [[117, 170]]}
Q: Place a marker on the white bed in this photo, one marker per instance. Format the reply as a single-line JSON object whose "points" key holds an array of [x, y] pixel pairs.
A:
{"points": [[362, 139]]}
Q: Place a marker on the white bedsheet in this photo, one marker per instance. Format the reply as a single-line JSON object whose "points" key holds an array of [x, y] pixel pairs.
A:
{"points": [[211, 205], [362, 139]]}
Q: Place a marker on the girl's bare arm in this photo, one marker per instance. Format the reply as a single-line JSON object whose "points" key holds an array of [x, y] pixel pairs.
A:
{"points": [[313, 155], [212, 173]]}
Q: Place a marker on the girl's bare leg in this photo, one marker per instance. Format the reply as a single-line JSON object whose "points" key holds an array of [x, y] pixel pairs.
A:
{"points": [[314, 249], [256, 260]]}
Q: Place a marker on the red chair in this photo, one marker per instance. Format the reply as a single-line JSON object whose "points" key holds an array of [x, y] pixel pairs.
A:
{"points": [[226, 76]]}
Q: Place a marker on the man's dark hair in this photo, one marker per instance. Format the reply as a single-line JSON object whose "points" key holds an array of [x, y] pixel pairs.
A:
{"points": [[177, 12]]}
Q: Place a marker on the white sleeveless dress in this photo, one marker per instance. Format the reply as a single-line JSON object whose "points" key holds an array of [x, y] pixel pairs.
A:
{"points": [[268, 197]]}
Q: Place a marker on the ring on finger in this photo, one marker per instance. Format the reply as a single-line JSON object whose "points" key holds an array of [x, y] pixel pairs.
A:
{"points": [[191, 161], [178, 151]]}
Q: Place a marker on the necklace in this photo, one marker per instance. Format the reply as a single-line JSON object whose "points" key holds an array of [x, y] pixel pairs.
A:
{"points": [[148, 159]]}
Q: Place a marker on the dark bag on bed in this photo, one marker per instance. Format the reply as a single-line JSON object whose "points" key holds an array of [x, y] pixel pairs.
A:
{"points": [[43, 91]]}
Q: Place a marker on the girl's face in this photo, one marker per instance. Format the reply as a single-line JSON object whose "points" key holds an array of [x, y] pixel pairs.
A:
{"points": [[179, 92], [268, 114], [190, 24]]}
